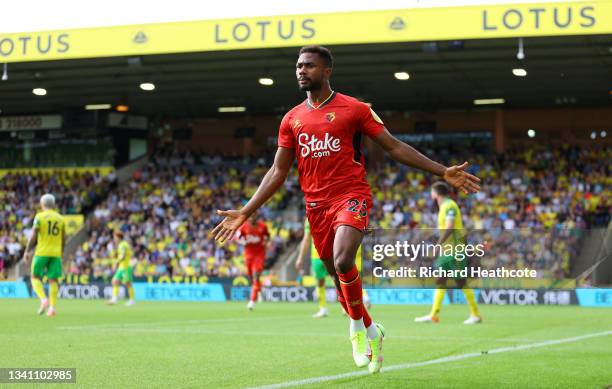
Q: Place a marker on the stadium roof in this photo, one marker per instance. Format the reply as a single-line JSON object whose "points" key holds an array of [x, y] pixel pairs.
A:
{"points": [[121, 13], [574, 70]]}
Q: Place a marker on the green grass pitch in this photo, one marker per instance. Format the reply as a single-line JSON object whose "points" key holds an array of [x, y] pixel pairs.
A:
{"points": [[222, 345]]}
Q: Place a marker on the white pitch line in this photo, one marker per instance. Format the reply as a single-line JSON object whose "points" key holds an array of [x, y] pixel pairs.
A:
{"points": [[453, 358], [203, 321], [200, 330]]}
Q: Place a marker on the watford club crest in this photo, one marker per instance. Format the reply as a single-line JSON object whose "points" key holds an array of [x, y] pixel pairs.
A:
{"points": [[330, 116], [297, 124]]}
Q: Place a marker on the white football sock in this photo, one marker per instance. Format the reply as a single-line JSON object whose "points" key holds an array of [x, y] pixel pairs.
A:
{"points": [[356, 325], [372, 331]]}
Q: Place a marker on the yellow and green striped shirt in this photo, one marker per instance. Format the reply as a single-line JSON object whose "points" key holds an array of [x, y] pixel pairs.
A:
{"points": [[124, 255], [450, 210], [51, 227]]}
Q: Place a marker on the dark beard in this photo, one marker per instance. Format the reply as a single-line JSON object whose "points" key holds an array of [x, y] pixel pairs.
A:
{"points": [[313, 86]]}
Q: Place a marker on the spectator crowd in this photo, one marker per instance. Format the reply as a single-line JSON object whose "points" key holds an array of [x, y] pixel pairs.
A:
{"points": [[75, 192], [535, 202], [168, 209]]}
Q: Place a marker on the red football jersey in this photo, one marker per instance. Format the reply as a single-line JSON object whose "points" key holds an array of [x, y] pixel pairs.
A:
{"points": [[254, 236], [327, 143]]}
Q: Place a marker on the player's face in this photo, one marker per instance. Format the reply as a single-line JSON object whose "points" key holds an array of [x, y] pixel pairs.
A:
{"points": [[311, 72]]}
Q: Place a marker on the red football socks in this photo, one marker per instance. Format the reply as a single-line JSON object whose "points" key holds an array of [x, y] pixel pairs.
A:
{"points": [[367, 320], [255, 289], [351, 289], [341, 300]]}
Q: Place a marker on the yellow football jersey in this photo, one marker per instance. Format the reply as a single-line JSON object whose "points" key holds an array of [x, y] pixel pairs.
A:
{"points": [[124, 254], [450, 210], [50, 226], [313, 251]]}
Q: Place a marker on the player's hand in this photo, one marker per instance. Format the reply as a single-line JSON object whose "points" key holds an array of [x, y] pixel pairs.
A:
{"points": [[462, 180], [298, 264], [228, 226]]}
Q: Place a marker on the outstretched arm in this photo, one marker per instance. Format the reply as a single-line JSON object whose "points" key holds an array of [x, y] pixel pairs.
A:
{"points": [[408, 155], [272, 181]]}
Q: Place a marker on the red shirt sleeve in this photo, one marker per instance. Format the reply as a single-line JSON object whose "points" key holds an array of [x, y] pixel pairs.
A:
{"points": [[285, 134], [368, 121]]}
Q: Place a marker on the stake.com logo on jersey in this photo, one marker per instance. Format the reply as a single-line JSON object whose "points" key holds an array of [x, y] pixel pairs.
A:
{"points": [[252, 239], [318, 147]]}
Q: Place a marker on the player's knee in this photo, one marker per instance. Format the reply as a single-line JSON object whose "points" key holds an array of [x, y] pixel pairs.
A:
{"points": [[329, 266], [343, 263]]}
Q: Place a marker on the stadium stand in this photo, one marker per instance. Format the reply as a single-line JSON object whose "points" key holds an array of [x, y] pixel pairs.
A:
{"points": [[167, 208], [167, 211], [536, 203], [76, 192], [539, 186]]}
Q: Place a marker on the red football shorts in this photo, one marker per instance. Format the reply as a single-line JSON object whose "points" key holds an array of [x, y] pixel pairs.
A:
{"points": [[254, 264], [350, 210]]}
